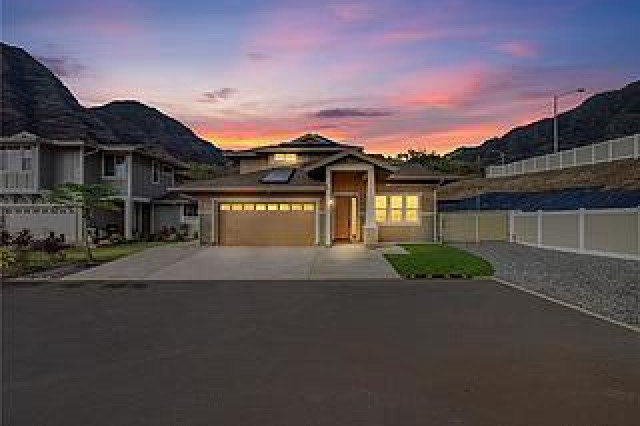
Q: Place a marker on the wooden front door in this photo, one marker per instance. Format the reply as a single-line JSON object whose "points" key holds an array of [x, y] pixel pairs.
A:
{"points": [[342, 219]]}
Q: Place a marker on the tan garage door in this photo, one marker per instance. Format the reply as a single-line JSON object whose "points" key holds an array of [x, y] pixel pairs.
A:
{"points": [[266, 224]]}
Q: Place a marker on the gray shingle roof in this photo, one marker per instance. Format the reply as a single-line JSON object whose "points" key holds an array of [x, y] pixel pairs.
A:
{"points": [[300, 179]]}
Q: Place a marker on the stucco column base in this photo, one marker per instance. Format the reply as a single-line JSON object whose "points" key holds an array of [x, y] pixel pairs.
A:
{"points": [[370, 236]]}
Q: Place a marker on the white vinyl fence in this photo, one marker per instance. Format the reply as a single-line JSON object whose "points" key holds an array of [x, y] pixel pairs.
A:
{"points": [[606, 232], [612, 150], [41, 219], [471, 226]]}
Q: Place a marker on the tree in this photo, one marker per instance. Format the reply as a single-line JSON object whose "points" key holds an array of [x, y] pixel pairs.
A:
{"points": [[199, 171], [87, 198], [440, 163]]}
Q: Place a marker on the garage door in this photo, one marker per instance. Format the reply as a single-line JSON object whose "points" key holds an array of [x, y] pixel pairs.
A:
{"points": [[266, 224]]}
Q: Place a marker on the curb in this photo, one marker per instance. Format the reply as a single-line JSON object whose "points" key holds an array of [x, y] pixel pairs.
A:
{"points": [[567, 305]]}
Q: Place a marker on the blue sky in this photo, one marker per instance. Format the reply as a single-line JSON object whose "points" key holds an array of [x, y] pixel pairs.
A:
{"points": [[390, 75]]}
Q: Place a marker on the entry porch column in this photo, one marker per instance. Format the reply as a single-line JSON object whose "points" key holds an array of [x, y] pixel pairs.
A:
{"points": [[370, 227]]}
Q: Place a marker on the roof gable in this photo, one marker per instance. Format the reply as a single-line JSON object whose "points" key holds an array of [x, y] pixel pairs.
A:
{"points": [[351, 153]]}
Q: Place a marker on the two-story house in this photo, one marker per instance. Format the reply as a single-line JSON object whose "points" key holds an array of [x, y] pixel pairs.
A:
{"points": [[315, 191], [30, 166]]}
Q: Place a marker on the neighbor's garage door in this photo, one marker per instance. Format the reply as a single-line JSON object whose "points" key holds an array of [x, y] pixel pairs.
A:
{"points": [[266, 224]]}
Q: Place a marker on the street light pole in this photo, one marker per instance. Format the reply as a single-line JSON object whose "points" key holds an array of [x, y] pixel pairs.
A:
{"points": [[555, 114]]}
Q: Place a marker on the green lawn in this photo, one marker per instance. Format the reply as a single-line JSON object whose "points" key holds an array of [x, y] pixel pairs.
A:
{"points": [[438, 259], [107, 254]]}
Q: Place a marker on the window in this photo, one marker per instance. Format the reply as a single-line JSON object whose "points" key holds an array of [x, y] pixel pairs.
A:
{"points": [[155, 172], [190, 210], [26, 158], [168, 174], [16, 158], [261, 207], [283, 157], [397, 209], [114, 165]]}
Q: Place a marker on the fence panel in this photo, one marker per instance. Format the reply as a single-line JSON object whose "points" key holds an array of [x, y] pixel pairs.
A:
{"points": [[474, 226], [612, 232], [525, 228], [560, 230], [606, 232], [41, 220]]}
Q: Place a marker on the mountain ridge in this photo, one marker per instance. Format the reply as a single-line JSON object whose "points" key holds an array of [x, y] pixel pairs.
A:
{"points": [[602, 116], [35, 100]]}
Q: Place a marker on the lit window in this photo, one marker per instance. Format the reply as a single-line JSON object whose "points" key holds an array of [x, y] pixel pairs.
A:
{"points": [[248, 207], [397, 209], [296, 207], [396, 215], [411, 215], [236, 207], [272, 207], [285, 207], [225, 207], [381, 201], [396, 201], [285, 157], [309, 207], [411, 201], [261, 207]]}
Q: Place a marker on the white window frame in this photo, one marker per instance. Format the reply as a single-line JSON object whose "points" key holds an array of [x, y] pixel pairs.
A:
{"points": [[155, 171], [115, 168], [388, 209], [167, 171]]}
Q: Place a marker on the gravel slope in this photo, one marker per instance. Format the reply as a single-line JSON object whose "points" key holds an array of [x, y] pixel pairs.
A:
{"points": [[610, 287]]}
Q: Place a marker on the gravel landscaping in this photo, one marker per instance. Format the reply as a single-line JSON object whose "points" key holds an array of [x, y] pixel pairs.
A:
{"points": [[607, 286]]}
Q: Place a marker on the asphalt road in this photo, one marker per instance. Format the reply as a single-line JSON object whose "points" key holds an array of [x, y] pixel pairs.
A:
{"points": [[310, 353]]}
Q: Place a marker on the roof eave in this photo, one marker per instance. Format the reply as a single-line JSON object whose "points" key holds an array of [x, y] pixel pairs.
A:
{"points": [[269, 188]]}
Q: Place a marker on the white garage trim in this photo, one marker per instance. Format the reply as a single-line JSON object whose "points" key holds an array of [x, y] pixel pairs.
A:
{"points": [[217, 200]]}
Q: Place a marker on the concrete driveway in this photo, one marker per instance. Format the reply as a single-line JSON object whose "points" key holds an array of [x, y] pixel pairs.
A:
{"points": [[247, 263], [347, 353]]}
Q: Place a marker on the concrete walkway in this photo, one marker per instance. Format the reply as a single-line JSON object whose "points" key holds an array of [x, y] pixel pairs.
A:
{"points": [[247, 263], [140, 264]]}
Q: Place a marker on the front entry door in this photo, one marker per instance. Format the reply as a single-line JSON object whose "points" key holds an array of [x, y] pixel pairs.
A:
{"points": [[345, 224], [342, 221]]}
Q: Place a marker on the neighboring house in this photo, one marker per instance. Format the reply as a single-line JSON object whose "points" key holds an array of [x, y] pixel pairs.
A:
{"points": [[314, 191], [30, 166]]}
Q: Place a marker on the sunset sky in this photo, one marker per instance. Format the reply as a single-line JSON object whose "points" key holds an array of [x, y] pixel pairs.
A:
{"points": [[387, 74]]}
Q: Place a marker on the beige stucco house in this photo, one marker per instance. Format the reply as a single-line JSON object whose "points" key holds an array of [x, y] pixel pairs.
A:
{"points": [[315, 191]]}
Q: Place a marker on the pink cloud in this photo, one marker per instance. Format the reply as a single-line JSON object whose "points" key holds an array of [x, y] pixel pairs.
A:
{"points": [[349, 13], [442, 88], [518, 48]]}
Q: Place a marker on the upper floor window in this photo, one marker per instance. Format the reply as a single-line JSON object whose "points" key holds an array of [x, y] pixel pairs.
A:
{"points": [[285, 157], [16, 158], [114, 165], [190, 210], [397, 209], [155, 172], [168, 173]]}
